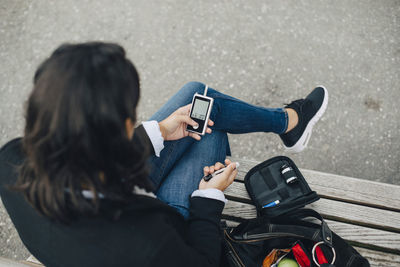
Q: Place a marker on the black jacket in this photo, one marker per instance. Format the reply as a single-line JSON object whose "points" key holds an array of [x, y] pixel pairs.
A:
{"points": [[148, 233]]}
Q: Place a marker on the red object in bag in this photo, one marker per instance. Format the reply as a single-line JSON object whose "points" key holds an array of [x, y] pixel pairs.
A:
{"points": [[320, 256], [301, 257]]}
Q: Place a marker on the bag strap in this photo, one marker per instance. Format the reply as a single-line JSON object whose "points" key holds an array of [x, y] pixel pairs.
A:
{"points": [[306, 213]]}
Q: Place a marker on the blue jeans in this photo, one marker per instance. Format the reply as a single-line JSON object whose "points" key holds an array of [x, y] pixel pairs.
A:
{"points": [[179, 169]]}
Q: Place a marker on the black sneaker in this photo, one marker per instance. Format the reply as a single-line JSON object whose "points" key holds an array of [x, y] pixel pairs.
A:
{"points": [[309, 111]]}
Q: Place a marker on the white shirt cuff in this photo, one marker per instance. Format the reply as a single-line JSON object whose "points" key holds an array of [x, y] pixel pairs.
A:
{"points": [[153, 131], [210, 193]]}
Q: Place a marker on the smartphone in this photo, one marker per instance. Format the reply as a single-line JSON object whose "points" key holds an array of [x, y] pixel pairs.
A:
{"points": [[200, 113]]}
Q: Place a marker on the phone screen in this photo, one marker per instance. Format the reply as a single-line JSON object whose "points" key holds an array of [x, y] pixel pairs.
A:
{"points": [[199, 110]]}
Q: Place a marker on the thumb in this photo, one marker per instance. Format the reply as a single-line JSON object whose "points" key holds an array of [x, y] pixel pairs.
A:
{"points": [[230, 169], [184, 110], [186, 119]]}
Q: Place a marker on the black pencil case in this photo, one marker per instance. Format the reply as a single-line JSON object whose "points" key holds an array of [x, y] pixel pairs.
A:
{"points": [[276, 186]]}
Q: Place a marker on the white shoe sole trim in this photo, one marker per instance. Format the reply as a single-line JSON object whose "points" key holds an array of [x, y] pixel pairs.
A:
{"points": [[301, 144]]}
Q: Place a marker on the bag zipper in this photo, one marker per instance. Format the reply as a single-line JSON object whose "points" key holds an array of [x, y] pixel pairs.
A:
{"points": [[234, 259], [262, 237], [235, 256]]}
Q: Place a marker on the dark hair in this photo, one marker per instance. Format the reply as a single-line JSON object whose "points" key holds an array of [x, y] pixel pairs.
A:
{"points": [[75, 137]]}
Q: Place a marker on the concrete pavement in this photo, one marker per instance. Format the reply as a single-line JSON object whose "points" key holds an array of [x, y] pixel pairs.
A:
{"points": [[264, 52]]}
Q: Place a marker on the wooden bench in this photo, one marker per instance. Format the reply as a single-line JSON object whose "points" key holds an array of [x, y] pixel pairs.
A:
{"points": [[365, 213]]}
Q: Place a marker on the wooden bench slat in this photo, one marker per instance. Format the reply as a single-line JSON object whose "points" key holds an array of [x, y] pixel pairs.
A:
{"points": [[367, 236], [356, 214], [381, 195], [366, 192], [239, 210], [362, 215], [377, 258]]}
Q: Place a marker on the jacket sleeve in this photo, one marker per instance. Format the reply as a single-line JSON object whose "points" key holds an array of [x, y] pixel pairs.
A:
{"points": [[203, 244], [141, 139]]}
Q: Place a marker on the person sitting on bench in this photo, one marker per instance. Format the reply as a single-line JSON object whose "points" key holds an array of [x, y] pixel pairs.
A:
{"points": [[85, 187]]}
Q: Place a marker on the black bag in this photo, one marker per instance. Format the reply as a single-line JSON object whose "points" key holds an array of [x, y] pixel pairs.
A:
{"points": [[283, 225], [251, 241], [266, 184]]}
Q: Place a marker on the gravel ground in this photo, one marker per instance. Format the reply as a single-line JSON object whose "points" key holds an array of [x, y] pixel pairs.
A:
{"points": [[264, 52]]}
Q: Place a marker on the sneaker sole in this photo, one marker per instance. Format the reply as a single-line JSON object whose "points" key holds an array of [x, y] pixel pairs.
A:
{"points": [[302, 143]]}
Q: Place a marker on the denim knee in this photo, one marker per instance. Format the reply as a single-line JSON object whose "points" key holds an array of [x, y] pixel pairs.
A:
{"points": [[191, 88]]}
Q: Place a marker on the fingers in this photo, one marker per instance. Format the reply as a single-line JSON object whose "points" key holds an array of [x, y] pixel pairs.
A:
{"points": [[216, 167], [183, 116], [186, 119], [185, 110], [227, 161], [210, 123], [231, 172], [222, 180], [230, 168], [234, 168], [195, 136], [219, 165], [233, 176], [208, 170]]}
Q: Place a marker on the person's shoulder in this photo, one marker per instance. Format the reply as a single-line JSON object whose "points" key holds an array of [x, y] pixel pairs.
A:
{"points": [[11, 152], [11, 146], [11, 156]]}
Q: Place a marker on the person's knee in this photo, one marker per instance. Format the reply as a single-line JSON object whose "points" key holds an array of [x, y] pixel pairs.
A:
{"points": [[193, 87]]}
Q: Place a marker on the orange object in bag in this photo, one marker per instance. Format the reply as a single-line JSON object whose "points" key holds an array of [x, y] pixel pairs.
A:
{"points": [[274, 256]]}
